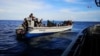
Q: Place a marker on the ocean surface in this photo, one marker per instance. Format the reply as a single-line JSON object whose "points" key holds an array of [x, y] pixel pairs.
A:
{"points": [[51, 45]]}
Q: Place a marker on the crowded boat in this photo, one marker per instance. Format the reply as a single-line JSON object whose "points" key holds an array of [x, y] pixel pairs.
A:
{"points": [[33, 27]]}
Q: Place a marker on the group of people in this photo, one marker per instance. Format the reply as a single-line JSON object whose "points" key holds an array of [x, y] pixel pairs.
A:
{"points": [[63, 23], [32, 21]]}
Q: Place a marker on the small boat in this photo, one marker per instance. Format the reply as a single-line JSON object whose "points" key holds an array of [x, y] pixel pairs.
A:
{"points": [[36, 31], [41, 31]]}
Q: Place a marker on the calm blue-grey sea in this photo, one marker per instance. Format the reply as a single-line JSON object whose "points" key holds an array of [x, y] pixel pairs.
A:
{"points": [[52, 45]]}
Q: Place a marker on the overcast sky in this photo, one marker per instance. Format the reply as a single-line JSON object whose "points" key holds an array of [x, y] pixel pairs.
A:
{"points": [[76, 10]]}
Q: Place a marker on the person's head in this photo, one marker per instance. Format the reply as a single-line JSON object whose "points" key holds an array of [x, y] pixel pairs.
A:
{"points": [[37, 19], [31, 15], [25, 19]]}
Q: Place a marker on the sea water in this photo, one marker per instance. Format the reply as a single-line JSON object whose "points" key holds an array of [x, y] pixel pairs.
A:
{"points": [[53, 45]]}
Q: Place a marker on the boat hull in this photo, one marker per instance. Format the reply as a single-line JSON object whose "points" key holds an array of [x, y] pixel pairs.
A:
{"points": [[28, 35], [42, 31]]}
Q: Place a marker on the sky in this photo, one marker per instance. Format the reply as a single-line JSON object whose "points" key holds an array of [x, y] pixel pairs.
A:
{"points": [[75, 10]]}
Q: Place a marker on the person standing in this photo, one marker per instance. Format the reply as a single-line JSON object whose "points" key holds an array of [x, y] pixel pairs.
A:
{"points": [[30, 20]]}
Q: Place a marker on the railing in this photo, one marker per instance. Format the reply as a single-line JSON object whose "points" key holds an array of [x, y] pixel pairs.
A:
{"points": [[86, 36], [75, 47]]}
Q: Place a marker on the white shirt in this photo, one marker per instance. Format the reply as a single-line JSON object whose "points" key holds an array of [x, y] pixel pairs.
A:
{"points": [[30, 22]]}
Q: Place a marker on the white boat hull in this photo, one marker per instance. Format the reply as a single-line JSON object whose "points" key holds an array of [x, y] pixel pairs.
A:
{"points": [[41, 31]]}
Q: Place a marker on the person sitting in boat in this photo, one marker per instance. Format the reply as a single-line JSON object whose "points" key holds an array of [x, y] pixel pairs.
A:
{"points": [[36, 22], [25, 24], [40, 22], [49, 23], [23, 28], [69, 22], [66, 23]]}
